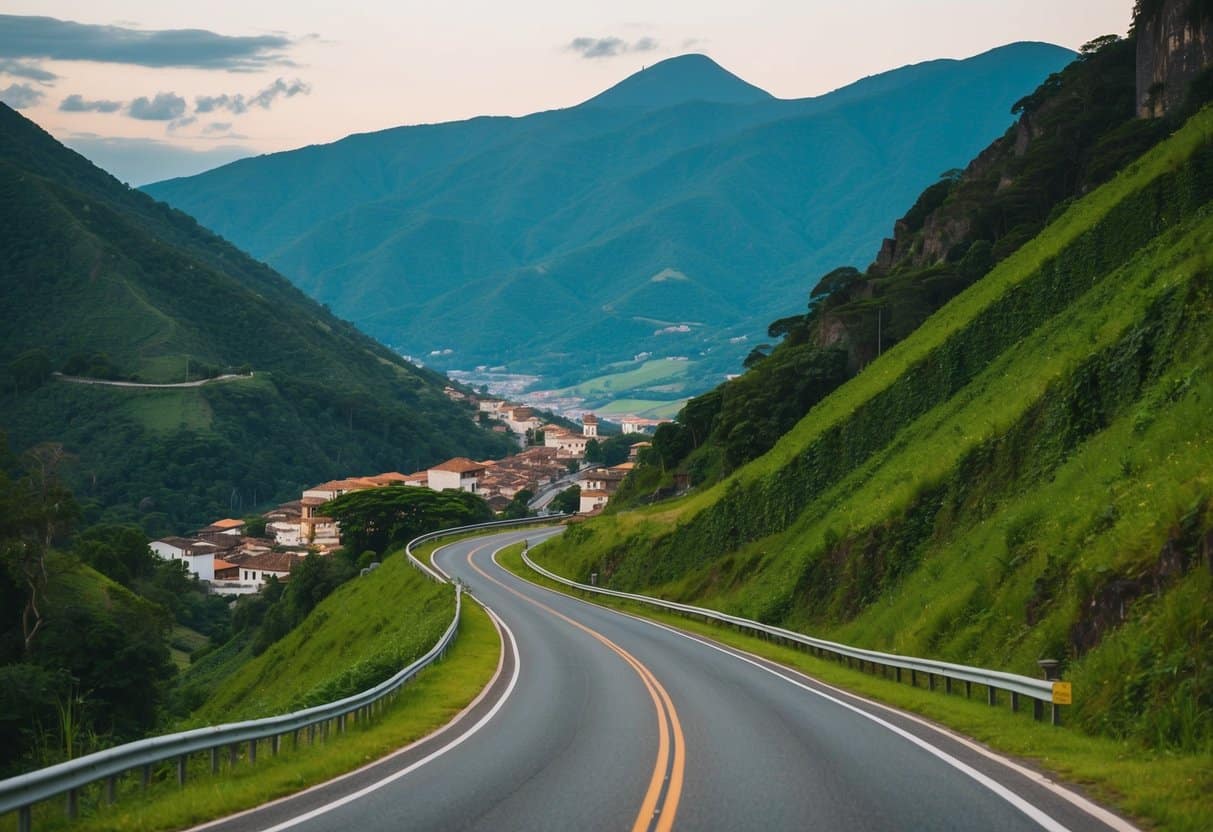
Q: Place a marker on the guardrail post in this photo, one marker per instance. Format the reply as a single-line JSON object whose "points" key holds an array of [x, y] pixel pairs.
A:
{"points": [[215, 760], [181, 763], [24, 824], [1038, 710], [1056, 714], [295, 740], [968, 689], [252, 751], [274, 744], [1014, 702], [913, 678], [931, 681], [147, 775], [73, 804], [897, 673], [991, 695], [947, 684], [111, 788]]}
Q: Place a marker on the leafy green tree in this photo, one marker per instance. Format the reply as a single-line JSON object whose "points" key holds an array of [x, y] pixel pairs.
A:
{"points": [[593, 451], [379, 518], [567, 501], [519, 506], [254, 525]]}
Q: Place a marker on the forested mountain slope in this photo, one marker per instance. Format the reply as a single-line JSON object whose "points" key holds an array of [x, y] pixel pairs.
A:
{"points": [[101, 280], [1073, 133], [1024, 476], [566, 240]]}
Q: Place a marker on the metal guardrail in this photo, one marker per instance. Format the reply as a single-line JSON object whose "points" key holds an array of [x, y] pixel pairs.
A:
{"points": [[495, 524], [20, 793], [1054, 692]]}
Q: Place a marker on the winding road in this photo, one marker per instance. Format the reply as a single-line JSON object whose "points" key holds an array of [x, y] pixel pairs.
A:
{"points": [[599, 720]]}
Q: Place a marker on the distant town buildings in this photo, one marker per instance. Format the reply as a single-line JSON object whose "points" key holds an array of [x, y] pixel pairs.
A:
{"points": [[224, 556]]}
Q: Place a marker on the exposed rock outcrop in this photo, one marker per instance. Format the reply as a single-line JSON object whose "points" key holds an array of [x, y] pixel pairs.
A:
{"points": [[1174, 45]]}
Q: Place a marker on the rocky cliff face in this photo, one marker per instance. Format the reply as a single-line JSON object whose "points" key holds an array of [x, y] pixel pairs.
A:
{"points": [[1174, 45]]}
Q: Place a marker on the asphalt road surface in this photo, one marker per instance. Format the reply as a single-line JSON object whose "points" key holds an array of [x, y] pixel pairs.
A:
{"points": [[598, 720]]}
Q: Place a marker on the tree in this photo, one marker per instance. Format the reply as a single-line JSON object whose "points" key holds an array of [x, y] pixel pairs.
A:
{"points": [[519, 506], [378, 518], [567, 501], [593, 451], [33, 512]]}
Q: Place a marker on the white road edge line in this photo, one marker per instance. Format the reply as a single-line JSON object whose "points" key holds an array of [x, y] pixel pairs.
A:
{"points": [[1113, 821], [1096, 811], [990, 783], [328, 807], [455, 743]]}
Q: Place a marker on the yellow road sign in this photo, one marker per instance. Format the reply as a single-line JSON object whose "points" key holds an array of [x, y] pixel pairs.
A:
{"points": [[1061, 693]]}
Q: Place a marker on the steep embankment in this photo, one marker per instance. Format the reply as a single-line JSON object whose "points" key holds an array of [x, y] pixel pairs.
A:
{"points": [[1026, 475], [360, 635], [100, 280]]}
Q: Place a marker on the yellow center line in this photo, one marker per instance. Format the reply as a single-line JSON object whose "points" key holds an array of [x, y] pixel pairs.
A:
{"points": [[667, 722]]}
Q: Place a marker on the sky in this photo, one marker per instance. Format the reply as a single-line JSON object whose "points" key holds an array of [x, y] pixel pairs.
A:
{"points": [[151, 89]]}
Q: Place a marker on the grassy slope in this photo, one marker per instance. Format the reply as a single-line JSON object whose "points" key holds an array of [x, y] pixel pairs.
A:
{"points": [[1161, 788], [976, 527], [428, 702], [389, 617]]}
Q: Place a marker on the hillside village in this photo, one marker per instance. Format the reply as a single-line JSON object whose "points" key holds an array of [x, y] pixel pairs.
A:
{"points": [[233, 560]]}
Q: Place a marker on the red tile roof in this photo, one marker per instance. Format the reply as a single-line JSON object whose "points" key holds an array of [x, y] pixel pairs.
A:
{"points": [[459, 465]]}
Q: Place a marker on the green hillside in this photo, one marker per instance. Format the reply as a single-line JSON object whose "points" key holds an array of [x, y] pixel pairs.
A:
{"points": [[1027, 475], [547, 242], [1073, 134], [100, 280], [355, 638]]}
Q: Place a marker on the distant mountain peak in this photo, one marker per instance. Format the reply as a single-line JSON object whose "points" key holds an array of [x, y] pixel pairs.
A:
{"points": [[693, 77]]}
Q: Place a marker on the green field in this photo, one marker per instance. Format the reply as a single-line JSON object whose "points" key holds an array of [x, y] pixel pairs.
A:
{"points": [[658, 372], [642, 408]]}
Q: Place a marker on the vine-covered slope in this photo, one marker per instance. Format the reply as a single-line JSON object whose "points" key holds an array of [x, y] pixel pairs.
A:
{"points": [[1027, 475]]}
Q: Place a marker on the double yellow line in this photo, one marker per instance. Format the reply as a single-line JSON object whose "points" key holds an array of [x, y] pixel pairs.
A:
{"points": [[660, 804]]}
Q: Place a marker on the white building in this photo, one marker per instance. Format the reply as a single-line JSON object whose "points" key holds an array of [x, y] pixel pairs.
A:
{"points": [[591, 500], [198, 555], [458, 474]]}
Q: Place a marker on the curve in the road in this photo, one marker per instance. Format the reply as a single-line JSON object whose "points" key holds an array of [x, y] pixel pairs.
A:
{"points": [[573, 745], [660, 805]]}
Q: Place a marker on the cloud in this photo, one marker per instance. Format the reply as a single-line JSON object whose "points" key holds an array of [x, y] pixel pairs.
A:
{"points": [[20, 69], [166, 106], [610, 47], [238, 103], [64, 40], [140, 161], [78, 104], [20, 96], [217, 127]]}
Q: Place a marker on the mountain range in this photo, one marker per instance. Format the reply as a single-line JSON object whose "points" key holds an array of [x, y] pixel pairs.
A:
{"points": [[675, 213]]}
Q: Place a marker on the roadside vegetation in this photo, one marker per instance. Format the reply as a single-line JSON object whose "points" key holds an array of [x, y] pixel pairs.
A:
{"points": [[1024, 476], [1165, 789], [425, 704]]}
